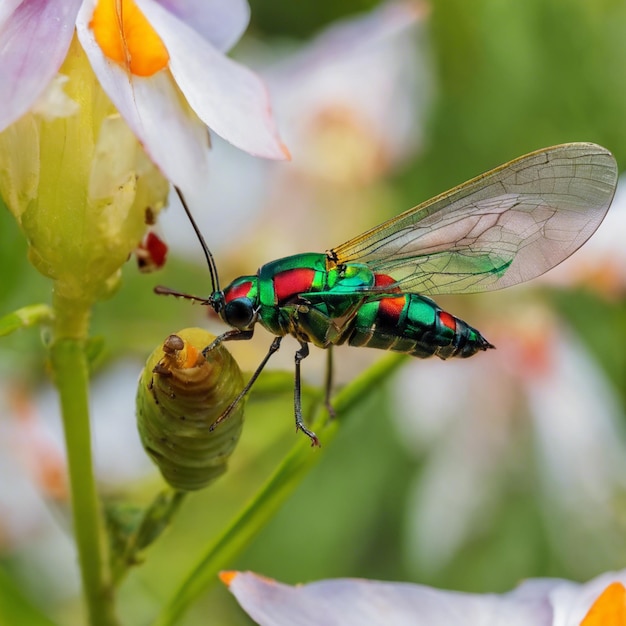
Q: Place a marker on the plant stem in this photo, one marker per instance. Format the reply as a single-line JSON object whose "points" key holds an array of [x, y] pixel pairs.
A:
{"points": [[156, 519], [70, 370]]}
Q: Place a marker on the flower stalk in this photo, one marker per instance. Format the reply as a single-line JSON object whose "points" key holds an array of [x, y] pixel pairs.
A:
{"points": [[80, 186], [71, 376]]}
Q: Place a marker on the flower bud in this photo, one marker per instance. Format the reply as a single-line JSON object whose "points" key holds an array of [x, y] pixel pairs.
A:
{"points": [[78, 183]]}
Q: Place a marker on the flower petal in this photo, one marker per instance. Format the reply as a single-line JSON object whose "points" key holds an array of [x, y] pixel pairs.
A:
{"points": [[373, 603], [222, 22], [609, 607], [27, 69], [572, 603], [170, 132], [228, 97]]}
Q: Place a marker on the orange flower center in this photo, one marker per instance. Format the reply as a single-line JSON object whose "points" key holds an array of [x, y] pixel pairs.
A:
{"points": [[126, 37], [609, 609]]}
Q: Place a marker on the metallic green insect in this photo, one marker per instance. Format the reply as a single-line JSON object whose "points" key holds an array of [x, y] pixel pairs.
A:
{"points": [[500, 229], [181, 393]]}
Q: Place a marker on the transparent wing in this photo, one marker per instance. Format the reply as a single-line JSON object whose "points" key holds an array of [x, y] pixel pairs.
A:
{"points": [[499, 229]]}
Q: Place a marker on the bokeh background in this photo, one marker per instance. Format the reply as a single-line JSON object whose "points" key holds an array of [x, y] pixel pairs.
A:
{"points": [[469, 475]]}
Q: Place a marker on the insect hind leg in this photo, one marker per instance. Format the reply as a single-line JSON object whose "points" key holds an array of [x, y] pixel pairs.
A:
{"points": [[297, 395]]}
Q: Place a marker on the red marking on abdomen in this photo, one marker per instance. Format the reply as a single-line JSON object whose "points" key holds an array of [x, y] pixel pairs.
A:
{"points": [[390, 308], [382, 280], [447, 320], [240, 291], [290, 283]]}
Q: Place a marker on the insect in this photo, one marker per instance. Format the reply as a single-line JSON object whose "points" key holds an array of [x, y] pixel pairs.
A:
{"points": [[181, 393], [499, 229]]}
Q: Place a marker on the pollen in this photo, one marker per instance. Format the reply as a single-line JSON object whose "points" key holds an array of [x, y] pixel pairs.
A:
{"points": [[609, 609], [126, 37]]}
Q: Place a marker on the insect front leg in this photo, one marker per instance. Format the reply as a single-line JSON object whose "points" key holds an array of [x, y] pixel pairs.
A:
{"points": [[230, 335], [273, 348], [297, 396]]}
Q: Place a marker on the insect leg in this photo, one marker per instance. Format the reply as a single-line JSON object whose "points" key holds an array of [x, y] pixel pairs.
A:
{"points": [[273, 348], [230, 335], [297, 395], [329, 382]]}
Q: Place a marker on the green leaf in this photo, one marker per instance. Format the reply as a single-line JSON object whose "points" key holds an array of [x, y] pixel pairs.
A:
{"points": [[131, 529], [25, 317]]}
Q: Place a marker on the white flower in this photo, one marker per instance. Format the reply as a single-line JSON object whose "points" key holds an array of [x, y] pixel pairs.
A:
{"points": [[162, 64]]}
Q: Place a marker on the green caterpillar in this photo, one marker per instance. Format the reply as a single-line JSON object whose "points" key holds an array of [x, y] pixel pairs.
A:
{"points": [[181, 394]]}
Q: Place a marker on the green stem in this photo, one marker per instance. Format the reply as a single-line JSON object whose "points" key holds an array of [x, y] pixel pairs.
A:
{"points": [[157, 517], [71, 376]]}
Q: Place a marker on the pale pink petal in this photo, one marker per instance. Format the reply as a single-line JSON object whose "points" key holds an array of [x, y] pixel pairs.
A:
{"points": [[347, 602], [171, 134], [6, 10], [221, 22], [357, 34], [35, 36], [320, 91], [229, 98]]}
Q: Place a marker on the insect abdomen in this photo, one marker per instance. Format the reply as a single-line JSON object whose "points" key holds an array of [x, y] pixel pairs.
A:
{"points": [[414, 325]]}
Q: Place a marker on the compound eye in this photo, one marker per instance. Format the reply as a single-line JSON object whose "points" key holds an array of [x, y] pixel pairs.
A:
{"points": [[239, 313]]}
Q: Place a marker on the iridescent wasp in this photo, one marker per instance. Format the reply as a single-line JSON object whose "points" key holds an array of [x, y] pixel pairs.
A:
{"points": [[499, 229]]}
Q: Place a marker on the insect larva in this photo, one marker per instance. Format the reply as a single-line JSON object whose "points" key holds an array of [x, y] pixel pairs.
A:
{"points": [[181, 393]]}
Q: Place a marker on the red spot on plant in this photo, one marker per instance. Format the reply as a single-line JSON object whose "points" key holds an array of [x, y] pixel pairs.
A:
{"points": [[151, 253]]}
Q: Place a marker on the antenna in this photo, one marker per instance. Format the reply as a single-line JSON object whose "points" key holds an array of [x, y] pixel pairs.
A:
{"points": [[166, 291], [215, 283]]}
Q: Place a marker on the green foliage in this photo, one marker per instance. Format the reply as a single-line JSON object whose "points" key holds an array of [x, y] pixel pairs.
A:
{"points": [[276, 18], [514, 77], [15, 608], [133, 529]]}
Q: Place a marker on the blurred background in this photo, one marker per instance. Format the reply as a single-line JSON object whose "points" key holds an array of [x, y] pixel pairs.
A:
{"points": [[467, 475]]}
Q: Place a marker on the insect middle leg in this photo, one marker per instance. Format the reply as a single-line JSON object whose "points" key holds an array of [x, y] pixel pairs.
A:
{"points": [[297, 395], [229, 409]]}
